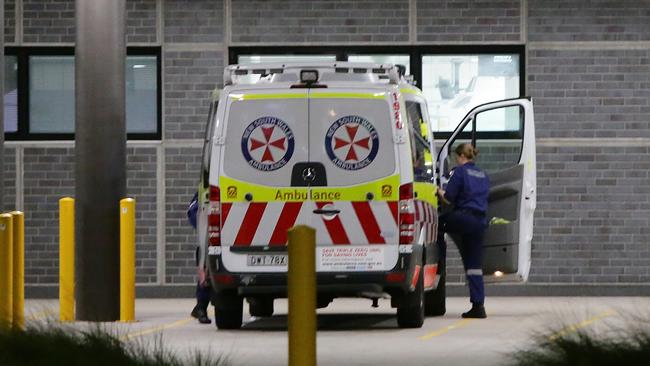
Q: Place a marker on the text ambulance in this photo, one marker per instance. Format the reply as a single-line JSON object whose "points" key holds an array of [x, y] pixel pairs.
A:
{"points": [[347, 149]]}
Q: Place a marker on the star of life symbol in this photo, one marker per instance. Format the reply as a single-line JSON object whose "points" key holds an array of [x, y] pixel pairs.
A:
{"points": [[352, 143], [267, 144]]}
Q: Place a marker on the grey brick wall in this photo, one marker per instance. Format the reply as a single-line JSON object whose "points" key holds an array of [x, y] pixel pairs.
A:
{"points": [[320, 21], [468, 20], [588, 20], [593, 215], [9, 183], [591, 93], [181, 177], [10, 21], [190, 78], [47, 21], [141, 21], [141, 185], [193, 21], [49, 176], [591, 222]]}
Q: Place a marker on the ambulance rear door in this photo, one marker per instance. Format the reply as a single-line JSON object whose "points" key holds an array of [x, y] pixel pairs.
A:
{"points": [[265, 136], [355, 187], [504, 133]]}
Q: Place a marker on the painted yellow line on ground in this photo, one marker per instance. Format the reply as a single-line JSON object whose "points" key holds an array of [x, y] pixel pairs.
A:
{"points": [[575, 327], [175, 324], [159, 328], [441, 331]]}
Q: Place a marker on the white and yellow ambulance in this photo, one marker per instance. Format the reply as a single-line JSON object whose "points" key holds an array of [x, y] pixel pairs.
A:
{"points": [[347, 149]]}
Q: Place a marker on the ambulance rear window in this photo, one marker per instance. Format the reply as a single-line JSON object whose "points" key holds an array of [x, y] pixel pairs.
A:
{"points": [[264, 139]]}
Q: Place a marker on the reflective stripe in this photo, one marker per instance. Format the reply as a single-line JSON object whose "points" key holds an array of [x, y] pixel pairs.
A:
{"points": [[426, 192], [238, 97], [324, 95], [475, 272], [241, 97], [386, 189], [410, 91]]}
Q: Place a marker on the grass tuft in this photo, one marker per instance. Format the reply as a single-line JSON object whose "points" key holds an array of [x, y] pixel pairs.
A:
{"points": [[616, 346], [55, 344]]}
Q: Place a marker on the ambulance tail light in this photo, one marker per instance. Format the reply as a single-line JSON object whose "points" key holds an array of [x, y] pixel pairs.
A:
{"points": [[214, 217], [406, 214]]}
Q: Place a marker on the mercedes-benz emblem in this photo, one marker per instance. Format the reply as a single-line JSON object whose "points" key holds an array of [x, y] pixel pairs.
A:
{"points": [[308, 174]]}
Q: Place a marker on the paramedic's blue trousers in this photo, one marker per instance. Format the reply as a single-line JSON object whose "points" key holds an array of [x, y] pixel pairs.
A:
{"points": [[471, 228]]}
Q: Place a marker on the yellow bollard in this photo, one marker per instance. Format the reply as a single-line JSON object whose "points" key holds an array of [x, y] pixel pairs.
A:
{"points": [[127, 260], [66, 259], [18, 269], [6, 272], [302, 296]]}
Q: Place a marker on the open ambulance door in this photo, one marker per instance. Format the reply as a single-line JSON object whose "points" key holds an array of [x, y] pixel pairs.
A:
{"points": [[504, 134]]}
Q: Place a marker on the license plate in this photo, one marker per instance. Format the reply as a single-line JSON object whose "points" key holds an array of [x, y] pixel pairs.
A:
{"points": [[267, 260]]}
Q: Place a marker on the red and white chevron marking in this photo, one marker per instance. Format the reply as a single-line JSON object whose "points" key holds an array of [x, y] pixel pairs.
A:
{"points": [[426, 216], [262, 223]]}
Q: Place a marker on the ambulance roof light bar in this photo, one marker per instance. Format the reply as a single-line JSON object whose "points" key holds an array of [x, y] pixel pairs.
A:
{"points": [[233, 74]]}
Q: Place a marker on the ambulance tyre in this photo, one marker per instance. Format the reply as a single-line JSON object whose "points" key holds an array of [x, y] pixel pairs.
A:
{"points": [[260, 306], [228, 310], [410, 313], [434, 300]]}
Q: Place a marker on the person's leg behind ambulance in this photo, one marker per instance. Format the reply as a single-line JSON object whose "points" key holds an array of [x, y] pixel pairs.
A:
{"points": [[471, 229]]}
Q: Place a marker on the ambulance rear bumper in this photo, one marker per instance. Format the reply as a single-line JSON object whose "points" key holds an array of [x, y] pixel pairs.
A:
{"points": [[378, 284]]}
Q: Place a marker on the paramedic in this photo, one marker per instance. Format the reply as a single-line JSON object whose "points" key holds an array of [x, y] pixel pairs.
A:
{"points": [[200, 311], [467, 191]]}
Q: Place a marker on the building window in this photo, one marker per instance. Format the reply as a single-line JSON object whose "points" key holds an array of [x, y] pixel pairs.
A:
{"points": [[11, 94], [40, 93], [384, 59], [454, 84], [454, 78]]}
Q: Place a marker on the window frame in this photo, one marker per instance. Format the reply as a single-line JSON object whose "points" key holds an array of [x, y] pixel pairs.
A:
{"points": [[416, 54], [22, 55]]}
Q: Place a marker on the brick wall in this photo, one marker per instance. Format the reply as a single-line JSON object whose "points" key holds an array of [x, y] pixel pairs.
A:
{"points": [[9, 184], [588, 20], [190, 77], [593, 215], [590, 93], [182, 174], [10, 21], [141, 21], [48, 21], [141, 165], [193, 21], [320, 21], [48, 177], [468, 20], [591, 219]]}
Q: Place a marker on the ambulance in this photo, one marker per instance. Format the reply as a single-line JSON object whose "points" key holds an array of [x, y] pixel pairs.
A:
{"points": [[347, 149]]}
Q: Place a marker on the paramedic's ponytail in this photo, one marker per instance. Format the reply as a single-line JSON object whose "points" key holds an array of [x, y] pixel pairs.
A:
{"points": [[466, 150]]}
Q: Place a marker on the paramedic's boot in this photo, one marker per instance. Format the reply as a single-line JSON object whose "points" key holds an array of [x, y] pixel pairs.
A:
{"points": [[476, 312], [200, 312]]}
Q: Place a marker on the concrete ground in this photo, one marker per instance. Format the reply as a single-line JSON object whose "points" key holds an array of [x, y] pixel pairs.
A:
{"points": [[353, 333]]}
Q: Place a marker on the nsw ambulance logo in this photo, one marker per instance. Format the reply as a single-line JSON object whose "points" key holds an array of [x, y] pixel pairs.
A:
{"points": [[267, 144], [351, 143]]}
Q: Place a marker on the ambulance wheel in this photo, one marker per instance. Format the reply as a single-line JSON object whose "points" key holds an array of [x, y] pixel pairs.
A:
{"points": [[228, 310], [410, 313], [260, 306], [434, 300]]}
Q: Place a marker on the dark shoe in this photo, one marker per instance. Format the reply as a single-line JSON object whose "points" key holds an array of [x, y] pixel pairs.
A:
{"points": [[476, 312], [201, 315]]}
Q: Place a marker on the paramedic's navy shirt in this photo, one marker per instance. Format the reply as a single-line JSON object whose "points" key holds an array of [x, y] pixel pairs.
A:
{"points": [[468, 188]]}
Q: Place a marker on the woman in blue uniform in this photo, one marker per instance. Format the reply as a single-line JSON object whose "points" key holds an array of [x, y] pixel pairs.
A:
{"points": [[467, 190]]}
